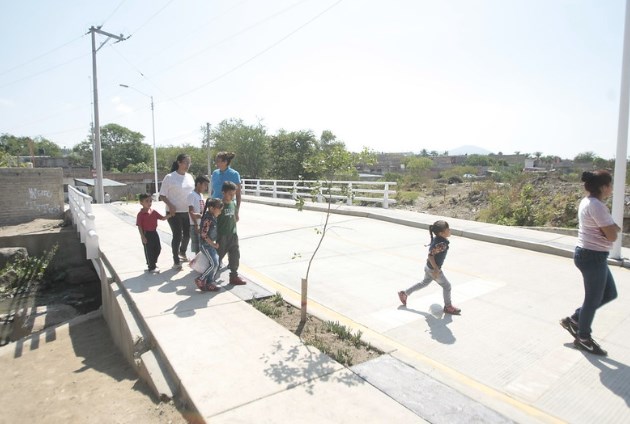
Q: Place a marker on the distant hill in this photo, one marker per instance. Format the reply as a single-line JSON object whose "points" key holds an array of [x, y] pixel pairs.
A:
{"points": [[468, 150]]}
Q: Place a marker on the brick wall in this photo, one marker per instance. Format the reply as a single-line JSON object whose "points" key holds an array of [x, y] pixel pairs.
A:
{"points": [[29, 193]]}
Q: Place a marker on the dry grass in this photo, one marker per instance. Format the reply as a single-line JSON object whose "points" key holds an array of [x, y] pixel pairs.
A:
{"points": [[332, 338]]}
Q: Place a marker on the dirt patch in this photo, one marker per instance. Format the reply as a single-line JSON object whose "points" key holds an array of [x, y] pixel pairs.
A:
{"points": [[75, 375], [467, 199], [32, 227], [335, 340], [462, 201]]}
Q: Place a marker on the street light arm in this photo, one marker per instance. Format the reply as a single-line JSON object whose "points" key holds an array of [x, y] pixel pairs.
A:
{"points": [[153, 130], [135, 89]]}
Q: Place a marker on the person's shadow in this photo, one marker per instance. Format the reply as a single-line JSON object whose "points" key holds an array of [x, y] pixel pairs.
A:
{"points": [[438, 323], [613, 375]]}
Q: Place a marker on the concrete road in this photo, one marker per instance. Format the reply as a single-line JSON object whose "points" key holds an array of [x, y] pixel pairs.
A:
{"points": [[506, 351], [506, 348]]}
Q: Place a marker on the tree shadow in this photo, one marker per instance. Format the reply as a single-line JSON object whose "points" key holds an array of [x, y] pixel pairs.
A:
{"points": [[613, 374], [438, 323], [302, 365]]}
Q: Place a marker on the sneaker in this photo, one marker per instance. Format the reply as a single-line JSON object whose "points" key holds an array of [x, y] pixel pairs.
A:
{"points": [[403, 297], [450, 309], [236, 280], [569, 325], [183, 257], [155, 270], [201, 285], [210, 287], [589, 346], [177, 266]]}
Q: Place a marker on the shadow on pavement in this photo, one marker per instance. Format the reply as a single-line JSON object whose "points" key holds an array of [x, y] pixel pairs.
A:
{"points": [[613, 374], [438, 323], [290, 370]]}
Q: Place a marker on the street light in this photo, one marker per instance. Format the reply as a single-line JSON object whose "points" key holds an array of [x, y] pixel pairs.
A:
{"points": [[154, 148]]}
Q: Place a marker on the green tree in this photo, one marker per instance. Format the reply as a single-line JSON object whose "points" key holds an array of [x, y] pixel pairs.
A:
{"points": [[458, 171], [417, 167], [584, 157], [138, 168], [8, 161], [330, 149], [479, 160], [330, 161], [45, 147], [122, 147], [25, 146], [82, 154], [198, 156], [601, 163], [250, 143], [288, 152]]}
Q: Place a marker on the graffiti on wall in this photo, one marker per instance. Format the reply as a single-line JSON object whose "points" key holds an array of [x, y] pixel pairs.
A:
{"points": [[37, 201]]}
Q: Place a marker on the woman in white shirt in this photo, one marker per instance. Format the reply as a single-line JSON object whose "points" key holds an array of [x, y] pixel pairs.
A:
{"points": [[596, 233], [175, 189]]}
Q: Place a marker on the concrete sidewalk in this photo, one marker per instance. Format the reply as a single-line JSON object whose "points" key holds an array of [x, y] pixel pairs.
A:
{"points": [[505, 359], [230, 362]]}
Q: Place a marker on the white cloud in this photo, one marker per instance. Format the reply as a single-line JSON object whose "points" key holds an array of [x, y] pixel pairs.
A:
{"points": [[120, 106], [6, 103]]}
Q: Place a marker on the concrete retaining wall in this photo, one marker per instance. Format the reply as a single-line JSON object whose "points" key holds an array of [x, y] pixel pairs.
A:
{"points": [[71, 252]]}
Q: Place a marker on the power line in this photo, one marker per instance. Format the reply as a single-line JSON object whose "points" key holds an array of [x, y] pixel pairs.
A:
{"points": [[43, 71], [40, 56], [232, 36], [112, 14], [46, 117], [151, 18], [265, 50]]}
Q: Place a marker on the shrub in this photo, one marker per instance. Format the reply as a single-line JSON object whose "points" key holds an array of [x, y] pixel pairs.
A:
{"points": [[406, 197]]}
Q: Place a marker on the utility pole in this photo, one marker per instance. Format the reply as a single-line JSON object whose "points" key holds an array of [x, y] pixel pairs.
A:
{"points": [[619, 182], [209, 152], [98, 157]]}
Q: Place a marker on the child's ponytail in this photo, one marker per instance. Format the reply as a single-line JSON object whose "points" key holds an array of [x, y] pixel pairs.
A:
{"points": [[205, 207], [437, 228]]}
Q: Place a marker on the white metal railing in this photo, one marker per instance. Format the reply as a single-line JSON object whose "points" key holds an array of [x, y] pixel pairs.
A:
{"points": [[83, 219], [349, 191]]}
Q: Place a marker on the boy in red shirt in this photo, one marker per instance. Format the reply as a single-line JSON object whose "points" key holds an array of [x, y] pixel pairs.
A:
{"points": [[147, 226]]}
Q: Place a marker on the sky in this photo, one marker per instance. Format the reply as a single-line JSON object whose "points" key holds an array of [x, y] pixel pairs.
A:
{"points": [[393, 76]]}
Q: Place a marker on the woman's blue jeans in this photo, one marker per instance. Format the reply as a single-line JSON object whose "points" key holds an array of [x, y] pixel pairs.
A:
{"points": [[599, 287]]}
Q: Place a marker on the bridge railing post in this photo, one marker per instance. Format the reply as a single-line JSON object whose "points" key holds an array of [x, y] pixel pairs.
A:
{"points": [[349, 197], [83, 219]]}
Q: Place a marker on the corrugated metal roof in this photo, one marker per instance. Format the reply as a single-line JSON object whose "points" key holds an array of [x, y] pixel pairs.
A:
{"points": [[106, 182]]}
